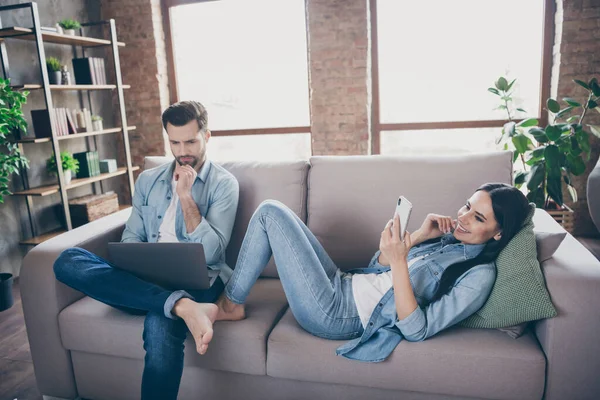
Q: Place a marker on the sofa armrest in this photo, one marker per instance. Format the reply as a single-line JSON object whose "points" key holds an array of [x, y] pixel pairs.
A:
{"points": [[570, 340], [593, 194], [44, 297]]}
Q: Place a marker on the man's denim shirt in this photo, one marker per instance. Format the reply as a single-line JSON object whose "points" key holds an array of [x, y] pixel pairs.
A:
{"points": [[215, 192], [470, 291]]}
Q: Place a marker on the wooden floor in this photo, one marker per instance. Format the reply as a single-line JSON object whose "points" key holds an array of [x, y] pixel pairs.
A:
{"points": [[17, 380]]}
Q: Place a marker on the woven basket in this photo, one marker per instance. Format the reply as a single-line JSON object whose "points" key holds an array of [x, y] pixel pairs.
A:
{"points": [[564, 217], [92, 207]]}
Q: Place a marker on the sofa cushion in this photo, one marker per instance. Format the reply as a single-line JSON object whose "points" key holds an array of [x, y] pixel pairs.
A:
{"points": [[240, 346], [519, 293], [497, 366], [259, 181], [351, 198]]}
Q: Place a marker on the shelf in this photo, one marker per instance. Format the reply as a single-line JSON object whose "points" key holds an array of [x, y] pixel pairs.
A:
{"points": [[68, 87], [34, 241], [54, 37], [74, 135], [51, 189]]}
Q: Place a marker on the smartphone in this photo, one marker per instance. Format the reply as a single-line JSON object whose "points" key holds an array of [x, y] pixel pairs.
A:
{"points": [[403, 209]]}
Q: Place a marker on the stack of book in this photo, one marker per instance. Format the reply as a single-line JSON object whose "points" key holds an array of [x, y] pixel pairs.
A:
{"points": [[89, 71], [64, 119], [68, 121], [89, 164]]}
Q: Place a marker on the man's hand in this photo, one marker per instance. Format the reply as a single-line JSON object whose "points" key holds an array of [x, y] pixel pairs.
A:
{"points": [[185, 177], [393, 249]]}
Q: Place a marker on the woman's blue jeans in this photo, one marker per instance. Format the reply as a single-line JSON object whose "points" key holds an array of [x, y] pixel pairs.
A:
{"points": [[319, 294], [163, 336]]}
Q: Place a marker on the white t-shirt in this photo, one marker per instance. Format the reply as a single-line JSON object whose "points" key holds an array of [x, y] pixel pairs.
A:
{"points": [[368, 289], [166, 231]]}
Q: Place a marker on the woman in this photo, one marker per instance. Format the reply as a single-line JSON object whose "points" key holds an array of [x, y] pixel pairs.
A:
{"points": [[412, 289]]}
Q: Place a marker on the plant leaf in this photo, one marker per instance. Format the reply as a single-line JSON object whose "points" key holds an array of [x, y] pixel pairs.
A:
{"points": [[553, 105], [572, 102], [552, 154], [526, 123], [536, 176], [592, 104], [573, 118], [581, 83], [553, 132], [564, 111], [502, 84], [521, 177], [521, 143], [554, 189], [573, 193], [520, 109], [494, 90], [595, 130], [539, 135], [595, 87]]}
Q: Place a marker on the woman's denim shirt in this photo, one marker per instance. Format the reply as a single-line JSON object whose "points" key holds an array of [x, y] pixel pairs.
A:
{"points": [[470, 291]]}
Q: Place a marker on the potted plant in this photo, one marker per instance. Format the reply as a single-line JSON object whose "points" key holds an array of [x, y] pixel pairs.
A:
{"points": [[54, 74], [69, 165], [11, 122], [551, 154], [97, 122], [69, 26]]}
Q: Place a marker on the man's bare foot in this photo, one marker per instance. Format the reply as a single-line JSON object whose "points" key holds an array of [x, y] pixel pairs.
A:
{"points": [[199, 318], [229, 311]]}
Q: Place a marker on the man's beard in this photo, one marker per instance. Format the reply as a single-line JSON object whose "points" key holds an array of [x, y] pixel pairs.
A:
{"points": [[193, 163]]}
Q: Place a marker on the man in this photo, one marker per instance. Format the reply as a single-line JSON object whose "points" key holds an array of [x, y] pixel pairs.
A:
{"points": [[189, 200]]}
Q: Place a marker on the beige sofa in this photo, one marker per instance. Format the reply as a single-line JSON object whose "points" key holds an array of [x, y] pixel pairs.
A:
{"points": [[81, 347]]}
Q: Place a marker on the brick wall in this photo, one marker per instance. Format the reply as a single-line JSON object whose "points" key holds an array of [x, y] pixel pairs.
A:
{"points": [[144, 67], [339, 76], [577, 56]]}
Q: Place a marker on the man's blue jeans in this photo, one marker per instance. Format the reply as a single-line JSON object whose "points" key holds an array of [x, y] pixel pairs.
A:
{"points": [[163, 336]]}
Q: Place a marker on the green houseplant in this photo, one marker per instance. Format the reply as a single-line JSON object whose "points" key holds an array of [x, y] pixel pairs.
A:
{"points": [[69, 165], [11, 122], [53, 67], [553, 153], [69, 25]]}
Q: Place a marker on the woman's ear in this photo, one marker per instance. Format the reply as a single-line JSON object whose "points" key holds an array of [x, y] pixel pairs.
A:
{"points": [[498, 235]]}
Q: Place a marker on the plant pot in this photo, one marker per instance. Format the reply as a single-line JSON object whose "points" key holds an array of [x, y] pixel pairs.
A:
{"points": [[564, 216], [68, 176], [97, 125], [6, 297], [70, 32], [54, 77]]}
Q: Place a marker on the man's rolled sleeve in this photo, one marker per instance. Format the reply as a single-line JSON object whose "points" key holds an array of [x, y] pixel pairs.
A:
{"points": [[214, 231]]}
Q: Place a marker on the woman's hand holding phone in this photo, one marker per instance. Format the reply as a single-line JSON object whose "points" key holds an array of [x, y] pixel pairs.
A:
{"points": [[392, 248]]}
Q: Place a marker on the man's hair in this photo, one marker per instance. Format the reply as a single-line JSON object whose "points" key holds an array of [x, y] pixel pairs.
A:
{"points": [[181, 113]]}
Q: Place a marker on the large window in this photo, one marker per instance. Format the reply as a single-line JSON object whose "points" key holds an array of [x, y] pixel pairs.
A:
{"points": [[246, 61], [435, 60]]}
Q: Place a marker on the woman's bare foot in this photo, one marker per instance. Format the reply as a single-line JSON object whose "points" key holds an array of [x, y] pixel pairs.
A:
{"points": [[229, 311], [199, 318]]}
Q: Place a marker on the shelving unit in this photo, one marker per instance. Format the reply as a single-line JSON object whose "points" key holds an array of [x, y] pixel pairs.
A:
{"points": [[40, 37]]}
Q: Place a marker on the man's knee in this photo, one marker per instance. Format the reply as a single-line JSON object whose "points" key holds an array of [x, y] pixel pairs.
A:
{"points": [[273, 208], [66, 263]]}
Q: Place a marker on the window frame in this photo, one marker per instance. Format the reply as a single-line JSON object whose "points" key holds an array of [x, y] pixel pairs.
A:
{"points": [[173, 85], [377, 127]]}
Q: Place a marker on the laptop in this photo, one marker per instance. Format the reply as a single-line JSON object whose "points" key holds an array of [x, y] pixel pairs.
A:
{"points": [[174, 266]]}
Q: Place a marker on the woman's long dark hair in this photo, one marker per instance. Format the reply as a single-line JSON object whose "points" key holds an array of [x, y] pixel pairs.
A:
{"points": [[510, 210]]}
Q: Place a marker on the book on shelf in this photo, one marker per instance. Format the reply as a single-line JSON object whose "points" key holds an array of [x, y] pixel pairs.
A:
{"points": [[89, 71], [42, 123], [88, 164]]}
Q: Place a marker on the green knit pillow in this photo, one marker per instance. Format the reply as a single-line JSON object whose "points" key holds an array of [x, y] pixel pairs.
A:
{"points": [[519, 293]]}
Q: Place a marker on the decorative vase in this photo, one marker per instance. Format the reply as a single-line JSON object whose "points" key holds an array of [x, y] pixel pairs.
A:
{"points": [[6, 297], [97, 126], [59, 29], [70, 32], [564, 216], [68, 176], [54, 77], [65, 77]]}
